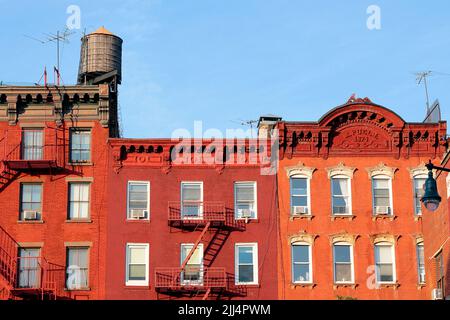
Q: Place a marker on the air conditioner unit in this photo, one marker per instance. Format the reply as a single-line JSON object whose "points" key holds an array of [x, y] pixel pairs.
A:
{"points": [[30, 215], [138, 213], [436, 294], [299, 210], [382, 210], [245, 213]]}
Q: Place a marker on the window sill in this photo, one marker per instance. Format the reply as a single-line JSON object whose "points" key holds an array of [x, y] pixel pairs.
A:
{"points": [[137, 220], [345, 285], [303, 285], [342, 216], [77, 290], [393, 285], [136, 287], [420, 286], [79, 221], [300, 217], [417, 217], [30, 221], [255, 220], [248, 285], [88, 163], [384, 217]]}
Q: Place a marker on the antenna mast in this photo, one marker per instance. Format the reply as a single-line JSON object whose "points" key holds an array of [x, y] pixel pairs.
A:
{"points": [[422, 76]]}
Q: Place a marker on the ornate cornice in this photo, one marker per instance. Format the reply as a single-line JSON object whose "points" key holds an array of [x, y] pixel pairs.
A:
{"points": [[340, 169], [302, 236], [343, 236], [300, 169], [381, 169], [384, 237]]}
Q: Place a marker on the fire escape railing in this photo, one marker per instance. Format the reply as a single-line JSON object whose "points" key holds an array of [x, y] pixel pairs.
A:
{"points": [[174, 278]]}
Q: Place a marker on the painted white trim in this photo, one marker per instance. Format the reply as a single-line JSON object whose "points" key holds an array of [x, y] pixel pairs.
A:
{"points": [[147, 264], [417, 176], [301, 243], [352, 266], [201, 250], [349, 192], [391, 200], [128, 199], [255, 199], [254, 245], [308, 192], [201, 198], [394, 271]]}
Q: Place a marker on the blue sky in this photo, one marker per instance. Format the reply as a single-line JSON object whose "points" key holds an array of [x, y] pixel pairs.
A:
{"points": [[224, 60]]}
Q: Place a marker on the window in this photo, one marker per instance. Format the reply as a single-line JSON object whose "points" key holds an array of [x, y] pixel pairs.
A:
{"points": [[77, 268], [79, 200], [32, 144], [440, 273], [420, 262], [138, 200], [246, 263], [419, 181], [343, 262], [245, 200], [382, 195], [341, 201], [31, 201], [29, 271], [193, 271], [384, 262], [192, 200], [301, 263], [80, 145], [137, 264], [299, 196]]}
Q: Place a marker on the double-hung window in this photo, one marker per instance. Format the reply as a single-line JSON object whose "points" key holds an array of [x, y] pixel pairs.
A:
{"points": [[77, 268], [300, 202], [137, 261], [31, 201], [420, 263], [32, 144], [79, 200], [385, 262], [192, 200], [341, 199], [343, 262], [382, 195], [80, 145], [245, 200], [301, 262], [246, 256], [29, 261], [138, 200], [193, 271], [419, 182]]}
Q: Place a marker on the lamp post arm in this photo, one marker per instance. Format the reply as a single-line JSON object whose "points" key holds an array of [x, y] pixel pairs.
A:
{"points": [[431, 166]]}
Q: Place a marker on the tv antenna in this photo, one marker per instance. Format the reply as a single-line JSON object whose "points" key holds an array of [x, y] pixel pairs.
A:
{"points": [[248, 123], [422, 77], [58, 37]]}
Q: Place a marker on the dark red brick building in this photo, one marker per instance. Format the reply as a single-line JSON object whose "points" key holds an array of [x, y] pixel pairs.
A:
{"points": [[203, 229]]}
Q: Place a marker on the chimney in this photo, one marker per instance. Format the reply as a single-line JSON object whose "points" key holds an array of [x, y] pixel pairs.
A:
{"points": [[266, 124]]}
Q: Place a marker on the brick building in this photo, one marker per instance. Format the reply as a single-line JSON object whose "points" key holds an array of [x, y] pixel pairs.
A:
{"points": [[202, 228], [349, 187]]}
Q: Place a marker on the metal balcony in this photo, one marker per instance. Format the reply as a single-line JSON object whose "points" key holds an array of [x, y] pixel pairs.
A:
{"points": [[198, 213], [190, 279]]}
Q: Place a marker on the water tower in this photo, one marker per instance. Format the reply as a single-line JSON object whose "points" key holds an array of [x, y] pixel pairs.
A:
{"points": [[100, 58]]}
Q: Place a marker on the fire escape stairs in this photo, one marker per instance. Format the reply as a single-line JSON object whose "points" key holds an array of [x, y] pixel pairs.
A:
{"points": [[197, 242], [6, 177]]}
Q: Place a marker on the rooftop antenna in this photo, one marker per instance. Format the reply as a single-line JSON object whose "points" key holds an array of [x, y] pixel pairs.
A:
{"points": [[422, 77], [249, 123], [59, 37]]}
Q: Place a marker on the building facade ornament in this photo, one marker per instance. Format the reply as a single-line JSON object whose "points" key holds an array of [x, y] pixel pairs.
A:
{"points": [[300, 169], [381, 169], [340, 169]]}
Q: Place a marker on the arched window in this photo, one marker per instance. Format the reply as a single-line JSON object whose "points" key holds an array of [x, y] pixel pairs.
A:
{"points": [[301, 257], [343, 269], [385, 262]]}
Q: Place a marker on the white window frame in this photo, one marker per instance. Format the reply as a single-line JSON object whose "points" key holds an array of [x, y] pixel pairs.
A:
{"points": [[308, 192], [352, 266], [254, 245], [349, 193], [71, 132], [255, 189], [418, 176], [69, 216], [128, 199], [137, 283], [420, 244], [202, 268], [394, 268], [301, 243], [391, 201], [200, 215]]}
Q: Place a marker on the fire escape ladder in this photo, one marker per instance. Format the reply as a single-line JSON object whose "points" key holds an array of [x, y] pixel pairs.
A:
{"points": [[197, 242], [206, 295]]}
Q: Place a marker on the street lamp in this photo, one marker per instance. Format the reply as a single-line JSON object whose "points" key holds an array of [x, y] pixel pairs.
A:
{"points": [[431, 198]]}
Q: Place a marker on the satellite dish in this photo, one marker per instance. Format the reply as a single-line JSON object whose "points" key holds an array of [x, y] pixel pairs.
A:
{"points": [[433, 113]]}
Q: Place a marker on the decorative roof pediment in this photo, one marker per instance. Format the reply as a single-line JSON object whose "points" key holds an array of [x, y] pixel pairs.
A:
{"points": [[381, 169], [340, 169], [301, 170]]}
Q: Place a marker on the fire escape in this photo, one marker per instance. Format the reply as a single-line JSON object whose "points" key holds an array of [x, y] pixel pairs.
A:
{"points": [[210, 218], [27, 277]]}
